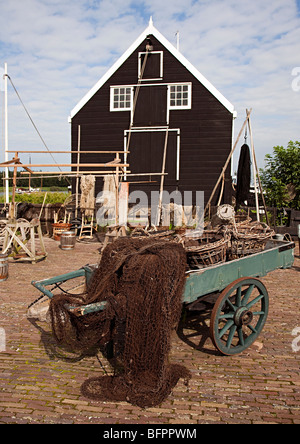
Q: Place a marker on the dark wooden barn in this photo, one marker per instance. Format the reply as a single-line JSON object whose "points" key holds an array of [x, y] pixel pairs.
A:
{"points": [[175, 106]]}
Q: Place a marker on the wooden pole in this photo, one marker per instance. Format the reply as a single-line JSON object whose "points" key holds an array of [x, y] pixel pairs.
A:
{"points": [[13, 200], [45, 197], [227, 161], [257, 172], [117, 192], [77, 175], [6, 132], [254, 172], [162, 177]]}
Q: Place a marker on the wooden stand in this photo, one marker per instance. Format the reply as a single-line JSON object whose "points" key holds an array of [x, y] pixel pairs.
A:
{"points": [[26, 240]]}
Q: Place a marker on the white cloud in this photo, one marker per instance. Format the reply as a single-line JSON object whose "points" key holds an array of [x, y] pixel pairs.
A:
{"points": [[56, 51]]}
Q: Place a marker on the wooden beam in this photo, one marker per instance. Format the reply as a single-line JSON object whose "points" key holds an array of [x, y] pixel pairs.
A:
{"points": [[27, 169], [70, 173], [70, 152], [8, 162], [129, 173], [67, 165]]}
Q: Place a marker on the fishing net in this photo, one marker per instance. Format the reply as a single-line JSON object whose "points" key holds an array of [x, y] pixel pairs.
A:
{"points": [[87, 199], [141, 280]]}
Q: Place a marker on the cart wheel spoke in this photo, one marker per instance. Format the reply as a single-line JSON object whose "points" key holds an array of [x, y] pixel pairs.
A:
{"points": [[239, 297], [257, 299], [227, 316], [225, 328], [232, 307], [241, 336], [247, 294], [239, 315], [231, 336], [252, 328]]}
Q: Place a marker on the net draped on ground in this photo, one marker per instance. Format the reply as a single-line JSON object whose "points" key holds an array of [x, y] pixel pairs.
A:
{"points": [[142, 281]]}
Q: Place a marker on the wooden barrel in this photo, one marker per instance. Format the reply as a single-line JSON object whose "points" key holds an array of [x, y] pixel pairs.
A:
{"points": [[3, 267], [67, 240]]}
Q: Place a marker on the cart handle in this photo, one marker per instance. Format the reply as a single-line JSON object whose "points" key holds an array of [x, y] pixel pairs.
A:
{"points": [[40, 285]]}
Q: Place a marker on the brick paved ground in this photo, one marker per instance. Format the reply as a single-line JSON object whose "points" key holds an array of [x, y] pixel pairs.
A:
{"points": [[37, 385]]}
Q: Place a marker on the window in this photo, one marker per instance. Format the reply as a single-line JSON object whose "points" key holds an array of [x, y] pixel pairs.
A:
{"points": [[180, 96], [121, 98], [153, 68]]}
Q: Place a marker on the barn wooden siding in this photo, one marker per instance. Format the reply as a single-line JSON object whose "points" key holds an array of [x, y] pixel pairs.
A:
{"points": [[205, 130]]}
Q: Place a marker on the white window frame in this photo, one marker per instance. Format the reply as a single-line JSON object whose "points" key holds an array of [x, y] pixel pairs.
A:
{"points": [[161, 65], [112, 95], [189, 91]]}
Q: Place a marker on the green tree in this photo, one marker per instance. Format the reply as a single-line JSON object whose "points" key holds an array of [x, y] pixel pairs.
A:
{"points": [[281, 176]]}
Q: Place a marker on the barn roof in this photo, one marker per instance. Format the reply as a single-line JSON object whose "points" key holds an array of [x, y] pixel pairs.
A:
{"points": [[171, 48]]}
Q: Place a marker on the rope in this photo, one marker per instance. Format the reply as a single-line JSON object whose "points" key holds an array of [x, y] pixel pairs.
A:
{"points": [[34, 125]]}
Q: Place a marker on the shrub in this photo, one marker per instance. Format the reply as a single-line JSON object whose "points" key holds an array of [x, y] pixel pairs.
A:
{"points": [[38, 197]]}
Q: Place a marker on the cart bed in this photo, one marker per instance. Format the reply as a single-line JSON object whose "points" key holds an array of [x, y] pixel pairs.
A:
{"points": [[277, 254]]}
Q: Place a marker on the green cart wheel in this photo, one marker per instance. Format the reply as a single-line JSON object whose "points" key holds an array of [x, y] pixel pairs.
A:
{"points": [[239, 315]]}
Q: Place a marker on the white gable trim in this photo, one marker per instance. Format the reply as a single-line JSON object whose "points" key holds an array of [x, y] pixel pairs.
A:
{"points": [[152, 30]]}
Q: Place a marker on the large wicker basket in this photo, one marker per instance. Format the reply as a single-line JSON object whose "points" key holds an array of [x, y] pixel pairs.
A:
{"points": [[209, 249], [248, 239], [59, 228]]}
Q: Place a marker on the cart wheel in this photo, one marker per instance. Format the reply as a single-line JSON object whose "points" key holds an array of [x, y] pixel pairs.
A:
{"points": [[239, 315]]}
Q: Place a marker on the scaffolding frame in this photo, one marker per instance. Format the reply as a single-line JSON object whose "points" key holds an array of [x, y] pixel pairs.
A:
{"points": [[115, 167]]}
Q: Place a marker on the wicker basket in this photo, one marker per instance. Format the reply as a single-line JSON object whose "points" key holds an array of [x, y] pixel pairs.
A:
{"points": [[242, 218], [59, 228], [248, 239], [208, 250]]}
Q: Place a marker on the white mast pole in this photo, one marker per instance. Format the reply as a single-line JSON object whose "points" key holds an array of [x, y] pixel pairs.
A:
{"points": [[6, 133], [177, 35], [255, 172]]}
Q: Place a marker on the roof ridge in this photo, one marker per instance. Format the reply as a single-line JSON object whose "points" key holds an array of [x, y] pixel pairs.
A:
{"points": [[153, 31]]}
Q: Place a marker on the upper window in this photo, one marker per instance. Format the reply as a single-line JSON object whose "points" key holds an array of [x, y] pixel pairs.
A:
{"points": [[150, 68], [121, 98], [180, 96]]}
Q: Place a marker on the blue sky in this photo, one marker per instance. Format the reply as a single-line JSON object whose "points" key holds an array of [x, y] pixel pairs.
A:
{"points": [[56, 51]]}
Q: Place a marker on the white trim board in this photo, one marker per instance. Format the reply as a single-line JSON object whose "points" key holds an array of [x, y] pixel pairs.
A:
{"points": [[152, 30]]}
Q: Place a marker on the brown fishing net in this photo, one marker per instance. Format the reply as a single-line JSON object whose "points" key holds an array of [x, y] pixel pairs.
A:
{"points": [[142, 281]]}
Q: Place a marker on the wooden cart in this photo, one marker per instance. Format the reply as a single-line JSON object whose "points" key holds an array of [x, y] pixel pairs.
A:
{"points": [[241, 299]]}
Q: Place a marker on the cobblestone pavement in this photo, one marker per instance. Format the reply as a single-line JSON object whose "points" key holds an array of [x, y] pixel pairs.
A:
{"points": [[41, 384]]}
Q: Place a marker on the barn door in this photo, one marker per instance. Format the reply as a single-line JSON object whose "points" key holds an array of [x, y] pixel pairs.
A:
{"points": [[146, 154], [151, 107]]}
